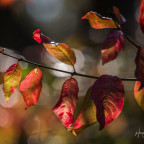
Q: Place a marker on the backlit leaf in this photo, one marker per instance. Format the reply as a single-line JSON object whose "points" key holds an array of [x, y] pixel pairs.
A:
{"points": [[139, 72], [62, 52], [31, 87], [66, 105], [98, 22], [120, 17], [86, 116], [141, 16], [12, 79], [40, 38], [139, 94], [112, 46], [108, 96], [59, 50]]}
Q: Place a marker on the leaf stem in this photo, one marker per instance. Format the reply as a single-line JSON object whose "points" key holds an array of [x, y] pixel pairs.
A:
{"points": [[72, 73], [74, 68]]}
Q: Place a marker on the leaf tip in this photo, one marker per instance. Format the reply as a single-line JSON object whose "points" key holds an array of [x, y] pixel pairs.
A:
{"points": [[86, 15], [7, 98], [103, 62], [83, 17], [26, 107], [101, 127], [74, 133], [36, 35]]}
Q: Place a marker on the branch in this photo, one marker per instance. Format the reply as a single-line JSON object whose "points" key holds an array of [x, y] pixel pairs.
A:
{"points": [[72, 73]]}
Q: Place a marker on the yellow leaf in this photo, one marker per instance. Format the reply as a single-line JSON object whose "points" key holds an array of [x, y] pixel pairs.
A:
{"points": [[62, 52], [12, 79]]}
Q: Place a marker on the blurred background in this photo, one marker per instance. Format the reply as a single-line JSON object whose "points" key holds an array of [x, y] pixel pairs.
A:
{"points": [[61, 21]]}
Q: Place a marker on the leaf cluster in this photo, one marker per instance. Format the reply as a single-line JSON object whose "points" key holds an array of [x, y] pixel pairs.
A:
{"points": [[104, 100]]}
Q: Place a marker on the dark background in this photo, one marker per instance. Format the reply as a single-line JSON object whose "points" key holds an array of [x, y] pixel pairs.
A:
{"points": [[17, 24]]}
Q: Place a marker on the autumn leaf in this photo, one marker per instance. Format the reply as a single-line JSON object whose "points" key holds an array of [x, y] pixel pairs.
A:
{"points": [[118, 15], [65, 107], [12, 79], [62, 52], [112, 46], [59, 50], [31, 87], [139, 94], [141, 16], [108, 96], [40, 38], [98, 22], [86, 116], [139, 72]]}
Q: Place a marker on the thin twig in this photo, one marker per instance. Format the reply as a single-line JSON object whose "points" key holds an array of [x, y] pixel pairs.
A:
{"points": [[119, 28], [72, 73]]}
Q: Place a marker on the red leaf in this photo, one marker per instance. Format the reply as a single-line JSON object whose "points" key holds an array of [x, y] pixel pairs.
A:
{"points": [[139, 94], [108, 96], [139, 72], [98, 22], [66, 105], [141, 16], [120, 17], [86, 116], [112, 46], [12, 79], [40, 38], [31, 87]]}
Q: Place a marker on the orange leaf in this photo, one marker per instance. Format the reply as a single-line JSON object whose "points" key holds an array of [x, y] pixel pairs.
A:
{"points": [[139, 94], [112, 46], [141, 16], [62, 52], [65, 107], [108, 96], [31, 87], [12, 79], [98, 22], [86, 116]]}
